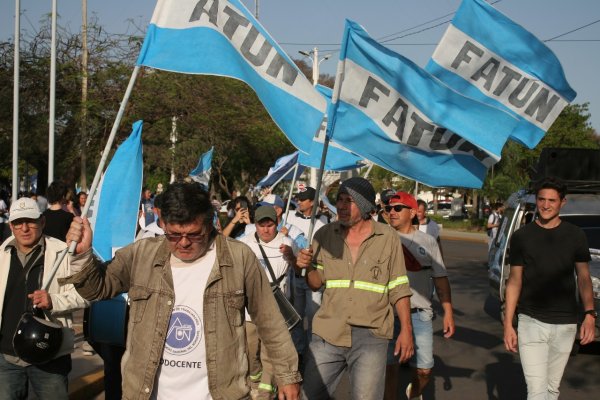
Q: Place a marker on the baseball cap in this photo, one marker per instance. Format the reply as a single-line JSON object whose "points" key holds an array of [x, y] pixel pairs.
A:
{"points": [[272, 200], [404, 198], [25, 207], [307, 194], [265, 212], [386, 194]]}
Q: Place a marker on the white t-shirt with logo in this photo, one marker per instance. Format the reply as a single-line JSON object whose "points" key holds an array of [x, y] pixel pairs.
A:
{"points": [[182, 373]]}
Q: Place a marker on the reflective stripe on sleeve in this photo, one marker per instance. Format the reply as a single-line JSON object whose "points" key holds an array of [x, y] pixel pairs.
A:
{"points": [[318, 266], [401, 280], [266, 386]]}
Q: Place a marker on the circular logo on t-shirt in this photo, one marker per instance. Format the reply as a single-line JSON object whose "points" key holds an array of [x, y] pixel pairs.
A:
{"points": [[185, 331]]}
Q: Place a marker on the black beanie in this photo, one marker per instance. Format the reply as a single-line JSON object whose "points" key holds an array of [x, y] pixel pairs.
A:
{"points": [[362, 193]]}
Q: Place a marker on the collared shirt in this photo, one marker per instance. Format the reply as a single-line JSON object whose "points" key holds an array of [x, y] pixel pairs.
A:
{"points": [[361, 293]]}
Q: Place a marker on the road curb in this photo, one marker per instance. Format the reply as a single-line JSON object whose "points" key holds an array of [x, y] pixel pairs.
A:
{"points": [[87, 386]]}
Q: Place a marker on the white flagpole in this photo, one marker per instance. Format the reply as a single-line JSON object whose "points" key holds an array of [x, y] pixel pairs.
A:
{"points": [[339, 77], [281, 178], [17, 57], [51, 122], [103, 159], [287, 208]]}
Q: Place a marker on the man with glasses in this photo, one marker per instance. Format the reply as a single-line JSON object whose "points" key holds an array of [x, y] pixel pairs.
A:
{"points": [[361, 264], [26, 261], [188, 292], [426, 270]]}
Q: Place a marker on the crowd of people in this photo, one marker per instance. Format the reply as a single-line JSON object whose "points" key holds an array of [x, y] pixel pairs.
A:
{"points": [[225, 307]]}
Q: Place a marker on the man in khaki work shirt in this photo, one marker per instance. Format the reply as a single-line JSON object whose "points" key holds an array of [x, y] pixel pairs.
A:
{"points": [[361, 264], [189, 291]]}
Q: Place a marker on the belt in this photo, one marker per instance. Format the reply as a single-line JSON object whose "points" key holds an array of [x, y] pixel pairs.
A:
{"points": [[416, 310]]}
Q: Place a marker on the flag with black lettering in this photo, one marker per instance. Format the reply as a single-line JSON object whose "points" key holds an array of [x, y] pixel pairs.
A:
{"points": [[487, 56], [222, 38], [393, 113], [337, 158]]}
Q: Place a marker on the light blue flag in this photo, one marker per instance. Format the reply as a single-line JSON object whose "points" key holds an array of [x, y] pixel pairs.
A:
{"points": [[115, 214], [223, 38], [488, 57], [282, 170], [201, 173], [337, 158], [393, 113]]}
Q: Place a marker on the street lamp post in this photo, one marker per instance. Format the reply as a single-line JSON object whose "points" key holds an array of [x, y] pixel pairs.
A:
{"points": [[316, 62]]}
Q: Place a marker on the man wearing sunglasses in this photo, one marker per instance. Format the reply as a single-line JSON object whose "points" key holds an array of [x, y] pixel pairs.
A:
{"points": [[26, 260], [426, 270], [189, 291]]}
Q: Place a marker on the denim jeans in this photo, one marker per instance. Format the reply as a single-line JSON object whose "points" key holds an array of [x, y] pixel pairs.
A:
{"points": [[306, 303], [47, 383], [544, 350], [365, 361], [422, 323]]}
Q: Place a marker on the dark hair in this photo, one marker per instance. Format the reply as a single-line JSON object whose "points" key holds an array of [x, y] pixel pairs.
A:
{"points": [[158, 201], [182, 203], [56, 192], [421, 203], [551, 183]]}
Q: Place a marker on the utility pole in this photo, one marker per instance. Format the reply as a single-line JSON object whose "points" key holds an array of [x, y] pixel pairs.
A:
{"points": [[314, 54], [256, 9], [51, 122], [84, 93], [173, 142], [17, 56]]}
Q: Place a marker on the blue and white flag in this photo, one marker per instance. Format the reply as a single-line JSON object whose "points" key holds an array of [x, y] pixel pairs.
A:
{"points": [[201, 173], [114, 215], [393, 113], [223, 38], [283, 169], [488, 57], [337, 158]]}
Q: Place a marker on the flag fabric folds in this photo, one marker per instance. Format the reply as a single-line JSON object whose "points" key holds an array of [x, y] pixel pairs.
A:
{"points": [[393, 113], [281, 170], [201, 173], [337, 158], [223, 38], [116, 204], [487, 56]]}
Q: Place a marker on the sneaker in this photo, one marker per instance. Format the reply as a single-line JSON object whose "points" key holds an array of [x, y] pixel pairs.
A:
{"points": [[87, 349], [408, 390]]}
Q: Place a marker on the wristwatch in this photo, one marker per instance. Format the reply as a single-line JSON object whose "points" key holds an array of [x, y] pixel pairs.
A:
{"points": [[593, 313]]}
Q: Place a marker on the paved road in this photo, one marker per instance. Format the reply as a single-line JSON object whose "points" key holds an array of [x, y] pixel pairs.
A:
{"points": [[474, 364]]}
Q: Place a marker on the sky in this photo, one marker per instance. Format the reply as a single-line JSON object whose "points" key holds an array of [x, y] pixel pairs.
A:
{"points": [[306, 24]]}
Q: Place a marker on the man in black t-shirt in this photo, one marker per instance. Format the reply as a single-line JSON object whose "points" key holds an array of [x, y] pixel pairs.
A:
{"points": [[544, 257], [58, 220]]}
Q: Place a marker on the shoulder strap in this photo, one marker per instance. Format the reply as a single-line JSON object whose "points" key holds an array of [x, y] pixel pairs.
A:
{"points": [[275, 281]]}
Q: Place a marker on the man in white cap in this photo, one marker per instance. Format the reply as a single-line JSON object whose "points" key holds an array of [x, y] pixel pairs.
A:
{"points": [[26, 260], [425, 270], [361, 264]]}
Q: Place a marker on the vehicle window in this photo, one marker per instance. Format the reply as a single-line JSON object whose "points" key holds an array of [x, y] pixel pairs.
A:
{"points": [[590, 225]]}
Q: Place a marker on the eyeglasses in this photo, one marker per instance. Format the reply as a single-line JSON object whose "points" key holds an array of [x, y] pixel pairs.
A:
{"points": [[30, 224], [192, 237], [396, 207]]}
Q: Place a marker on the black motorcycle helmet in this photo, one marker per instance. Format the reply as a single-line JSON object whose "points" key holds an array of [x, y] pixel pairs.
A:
{"points": [[37, 340]]}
